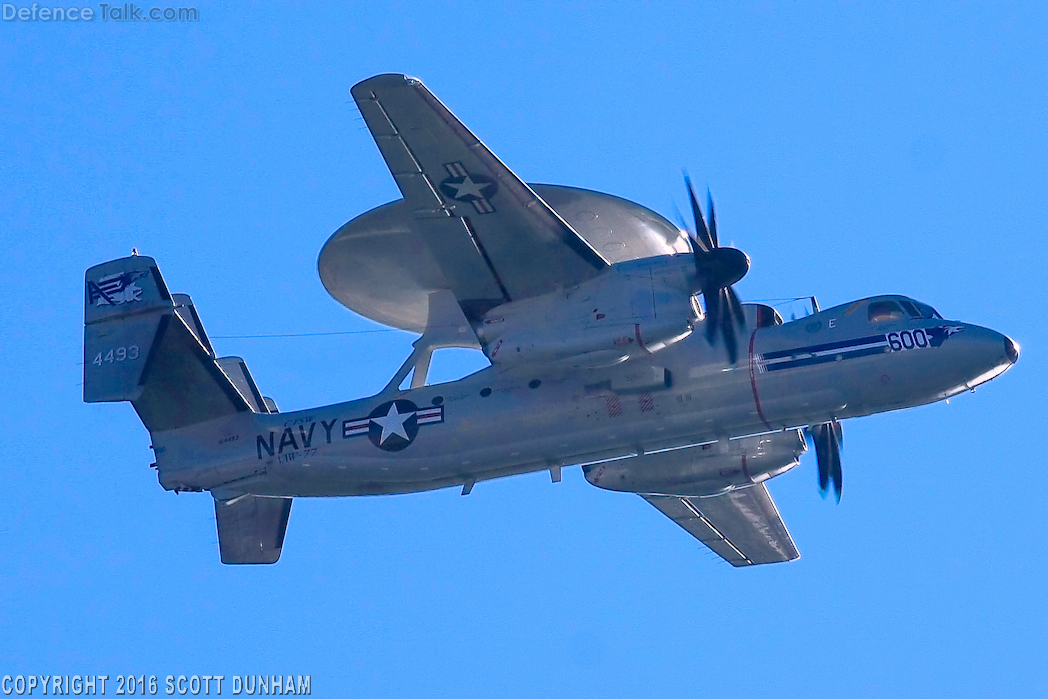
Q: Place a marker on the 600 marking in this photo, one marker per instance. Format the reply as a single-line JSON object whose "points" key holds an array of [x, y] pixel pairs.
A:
{"points": [[907, 340], [117, 354]]}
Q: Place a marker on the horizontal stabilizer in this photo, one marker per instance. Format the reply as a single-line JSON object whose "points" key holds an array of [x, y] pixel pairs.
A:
{"points": [[251, 529]]}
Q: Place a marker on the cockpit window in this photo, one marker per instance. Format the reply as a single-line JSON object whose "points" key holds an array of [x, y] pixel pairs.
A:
{"points": [[882, 311], [908, 306], [927, 311]]}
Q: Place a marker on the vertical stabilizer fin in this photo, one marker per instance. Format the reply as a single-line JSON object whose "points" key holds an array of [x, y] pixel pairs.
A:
{"points": [[187, 312], [236, 369], [143, 345], [251, 529], [126, 302]]}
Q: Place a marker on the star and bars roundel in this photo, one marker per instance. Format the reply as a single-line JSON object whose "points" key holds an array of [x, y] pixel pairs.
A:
{"points": [[393, 425], [461, 185]]}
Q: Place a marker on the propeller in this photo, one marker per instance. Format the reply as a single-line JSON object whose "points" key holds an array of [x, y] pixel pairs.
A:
{"points": [[828, 438], [717, 269]]}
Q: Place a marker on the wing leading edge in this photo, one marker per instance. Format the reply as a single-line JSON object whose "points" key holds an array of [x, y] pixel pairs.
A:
{"points": [[742, 526], [493, 237]]}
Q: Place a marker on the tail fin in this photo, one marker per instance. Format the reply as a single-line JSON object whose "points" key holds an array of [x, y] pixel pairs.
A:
{"points": [[251, 529], [143, 344]]}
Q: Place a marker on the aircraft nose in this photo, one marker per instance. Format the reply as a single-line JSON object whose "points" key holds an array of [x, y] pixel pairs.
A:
{"points": [[1011, 349], [989, 353]]}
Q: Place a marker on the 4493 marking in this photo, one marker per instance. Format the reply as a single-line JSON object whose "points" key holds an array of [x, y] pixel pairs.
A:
{"points": [[117, 354]]}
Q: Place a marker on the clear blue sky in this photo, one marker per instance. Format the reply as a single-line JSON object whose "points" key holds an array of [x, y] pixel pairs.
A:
{"points": [[853, 148]]}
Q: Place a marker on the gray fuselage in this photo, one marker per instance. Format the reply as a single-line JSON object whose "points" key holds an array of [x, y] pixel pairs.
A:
{"points": [[835, 364]]}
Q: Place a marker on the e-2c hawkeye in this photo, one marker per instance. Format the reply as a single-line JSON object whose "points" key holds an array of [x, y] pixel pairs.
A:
{"points": [[616, 342]]}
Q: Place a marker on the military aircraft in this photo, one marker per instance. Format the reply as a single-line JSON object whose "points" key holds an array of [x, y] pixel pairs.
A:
{"points": [[616, 342]]}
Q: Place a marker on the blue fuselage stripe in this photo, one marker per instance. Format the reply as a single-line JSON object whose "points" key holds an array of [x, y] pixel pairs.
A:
{"points": [[822, 358], [814, 349]]}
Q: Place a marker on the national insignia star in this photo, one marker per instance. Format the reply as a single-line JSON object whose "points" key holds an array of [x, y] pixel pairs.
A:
{"points": [[467, 187], [392, 424]]}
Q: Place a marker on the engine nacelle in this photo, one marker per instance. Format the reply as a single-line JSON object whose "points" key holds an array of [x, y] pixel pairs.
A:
{"points": [[633, 309], [605, 344], [702, 470]]}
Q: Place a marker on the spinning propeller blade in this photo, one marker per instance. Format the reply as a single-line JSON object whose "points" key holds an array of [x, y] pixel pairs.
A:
{"points": [[713, 217], [717, 269], [828, 438], [701, 234]]}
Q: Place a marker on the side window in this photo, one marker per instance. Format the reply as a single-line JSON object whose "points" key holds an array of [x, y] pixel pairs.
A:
{"points": [[882, 311]]}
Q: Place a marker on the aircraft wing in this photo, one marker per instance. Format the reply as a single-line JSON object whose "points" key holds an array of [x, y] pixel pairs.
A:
{"points": [[493, 237], [742, 526]]}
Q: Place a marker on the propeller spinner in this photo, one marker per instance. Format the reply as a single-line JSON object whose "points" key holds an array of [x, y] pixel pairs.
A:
{"points": [[717, 269]]}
